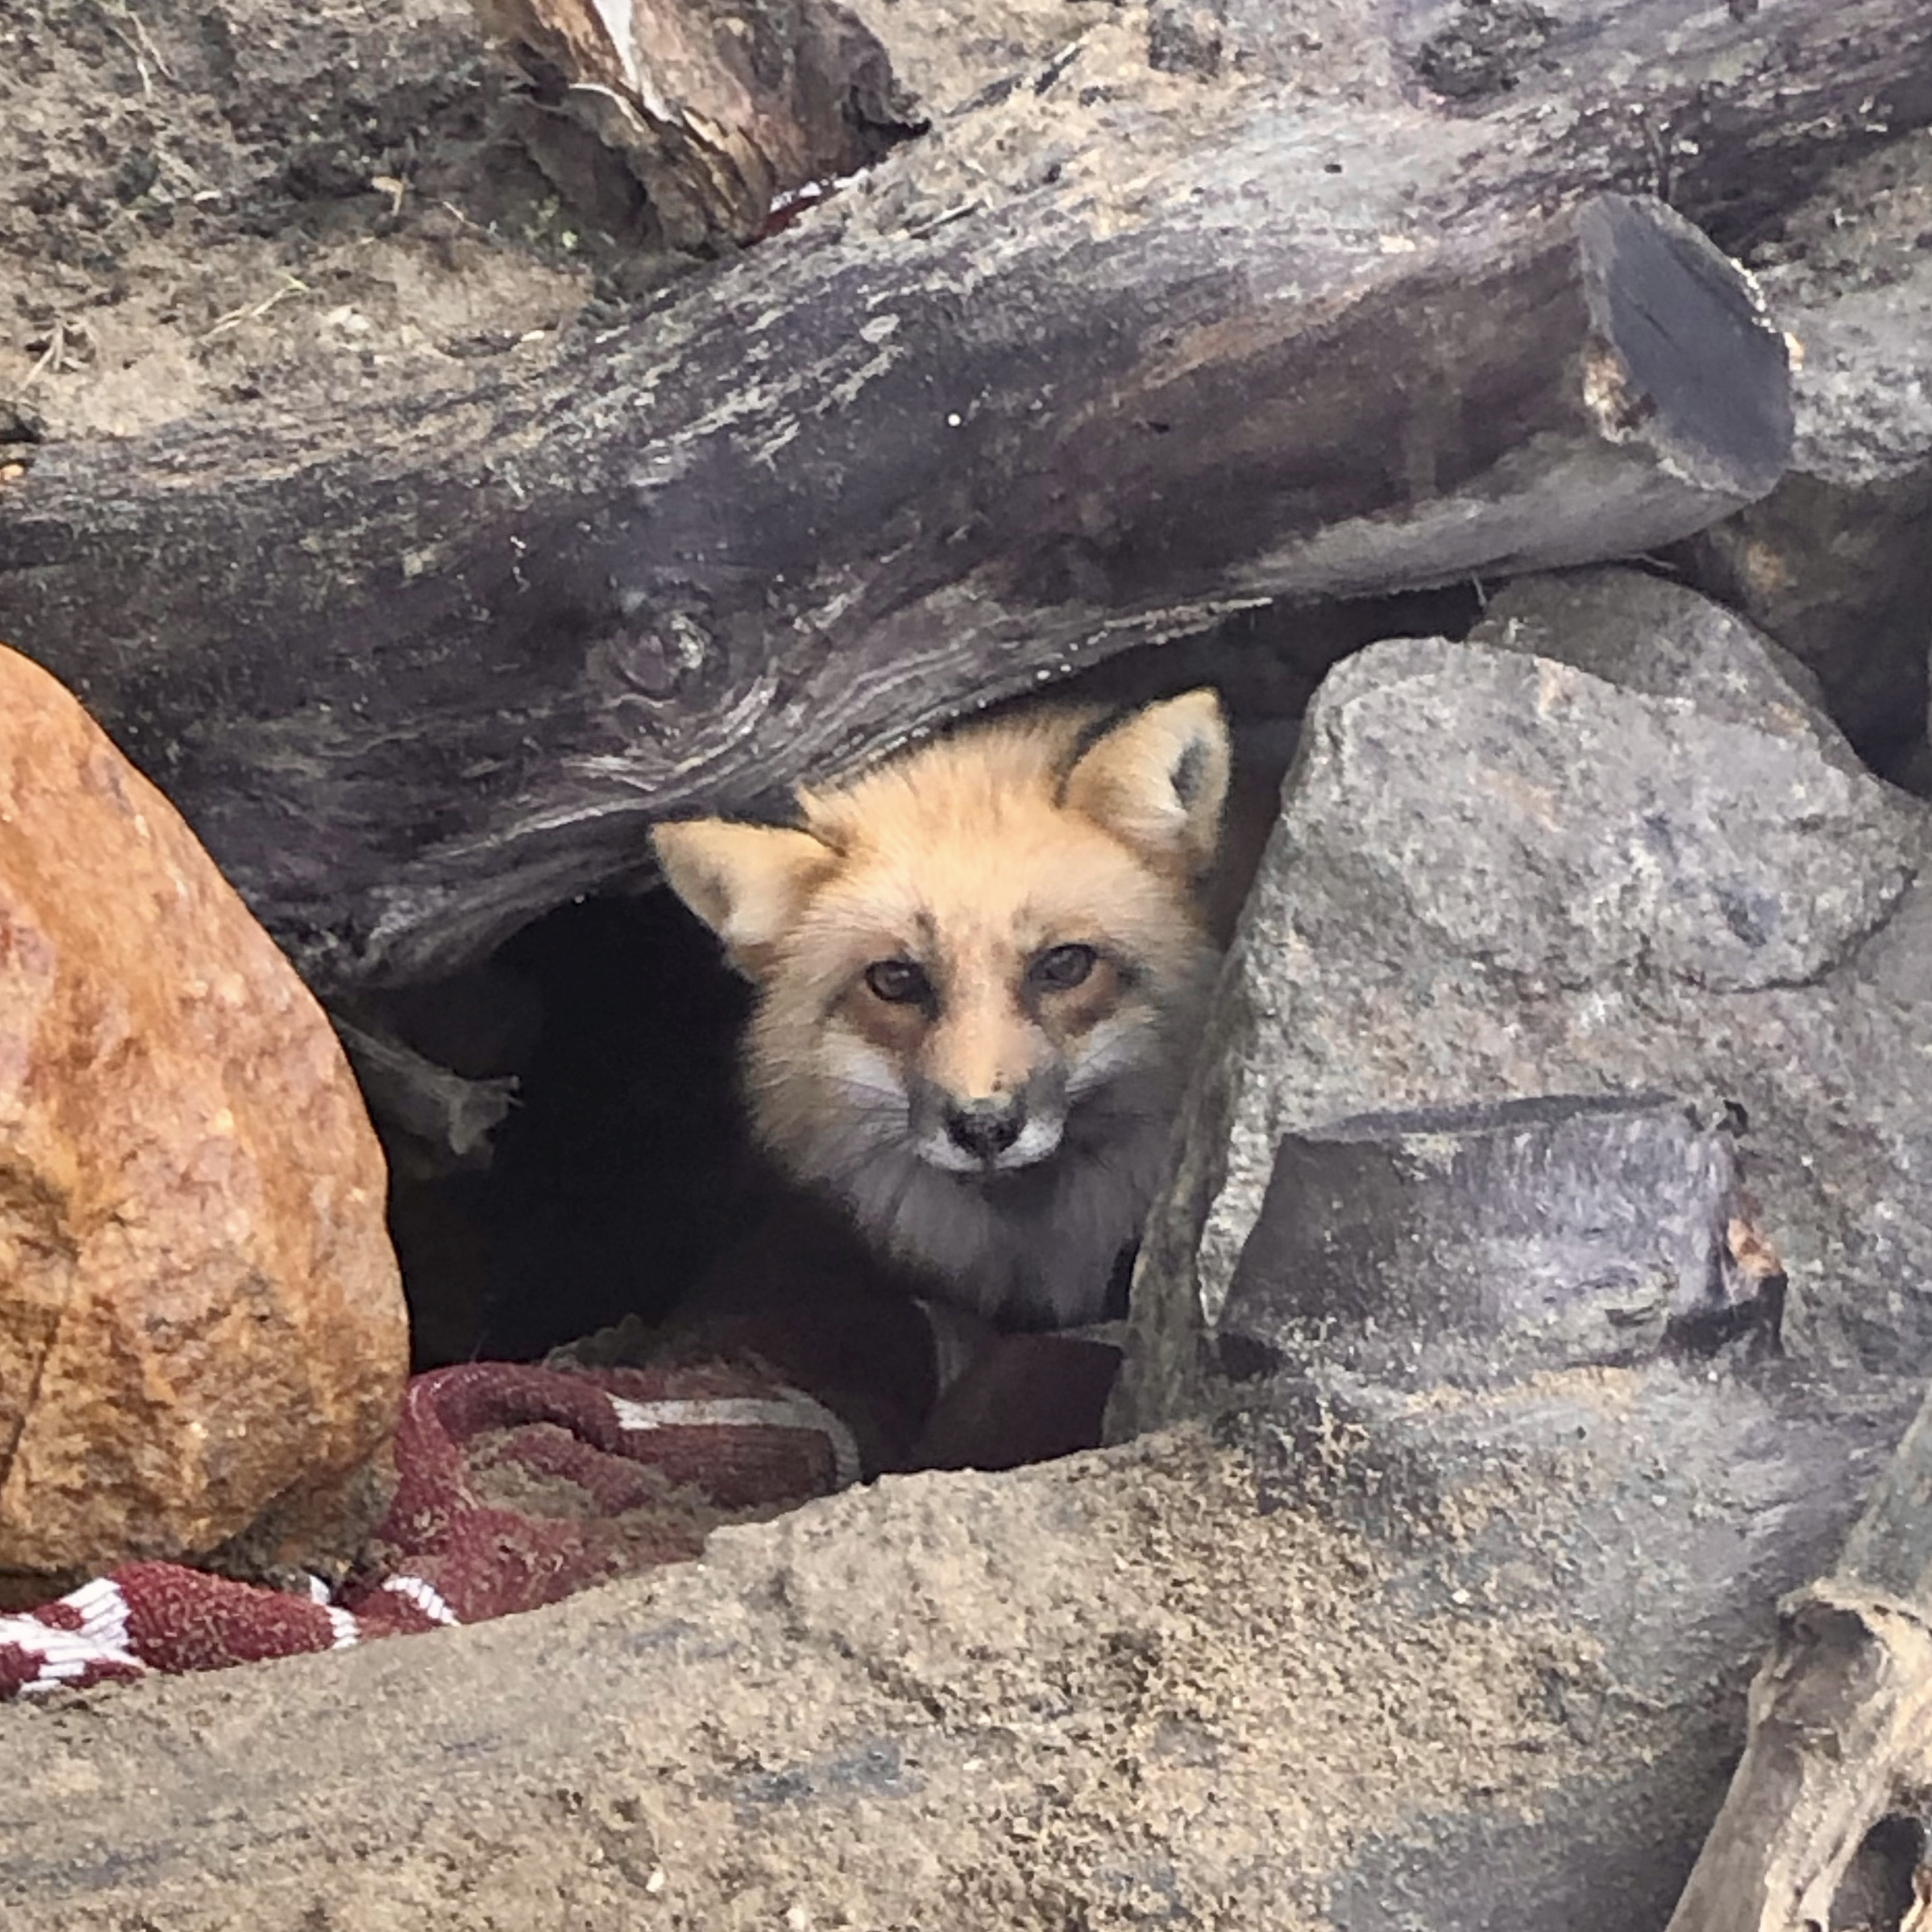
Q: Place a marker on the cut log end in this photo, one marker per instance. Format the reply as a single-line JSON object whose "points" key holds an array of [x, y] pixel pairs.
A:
{"points": [[717, 113], [1686, 357]]}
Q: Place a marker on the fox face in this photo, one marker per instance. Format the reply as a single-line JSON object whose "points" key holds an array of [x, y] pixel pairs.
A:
{"points": [[980, 968]]}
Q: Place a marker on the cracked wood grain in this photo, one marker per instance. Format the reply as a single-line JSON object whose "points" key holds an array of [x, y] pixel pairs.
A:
{"points": [[419, 670]]}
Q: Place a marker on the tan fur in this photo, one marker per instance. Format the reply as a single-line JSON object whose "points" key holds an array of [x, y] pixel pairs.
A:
{"points": [[971, 859]]}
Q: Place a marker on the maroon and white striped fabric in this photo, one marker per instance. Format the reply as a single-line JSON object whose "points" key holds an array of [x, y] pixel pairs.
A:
{"points": [[518, 1485], [632, 1467]]}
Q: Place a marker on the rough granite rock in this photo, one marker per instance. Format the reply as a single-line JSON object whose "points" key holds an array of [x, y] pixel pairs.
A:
{"points": [[1529, 950], [1497, 877], [1835, 563], [1652, 634], [201, 1329]]}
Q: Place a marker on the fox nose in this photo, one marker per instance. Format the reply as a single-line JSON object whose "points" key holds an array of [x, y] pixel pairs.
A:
{"points": [[986, 1128]]}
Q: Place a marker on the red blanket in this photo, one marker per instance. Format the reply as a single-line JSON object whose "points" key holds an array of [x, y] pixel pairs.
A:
{"points": [[519, 1485]]}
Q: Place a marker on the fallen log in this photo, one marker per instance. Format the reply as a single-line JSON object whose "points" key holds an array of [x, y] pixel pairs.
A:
{"points": [[1118, 348], [1839, 1738]]}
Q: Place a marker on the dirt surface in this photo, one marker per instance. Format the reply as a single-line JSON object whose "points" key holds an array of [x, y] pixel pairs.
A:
{"points": [[193, 213], [196, 211], [1108, 1693], [1179, 1683]]}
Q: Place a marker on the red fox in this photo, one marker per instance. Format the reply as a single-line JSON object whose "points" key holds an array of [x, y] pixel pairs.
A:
{"points": [[980, 968]]}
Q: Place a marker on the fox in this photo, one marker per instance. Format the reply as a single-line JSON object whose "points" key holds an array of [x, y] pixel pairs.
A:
{"points": [[979, 970]]}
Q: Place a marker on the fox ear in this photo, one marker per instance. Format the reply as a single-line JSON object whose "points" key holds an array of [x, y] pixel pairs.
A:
{"points": [[748, 883], [1158, 779]]}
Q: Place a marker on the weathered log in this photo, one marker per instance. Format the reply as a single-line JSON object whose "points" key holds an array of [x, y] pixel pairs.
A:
{"points": [[1841, 1727], [1113, 351], [705, 113]]}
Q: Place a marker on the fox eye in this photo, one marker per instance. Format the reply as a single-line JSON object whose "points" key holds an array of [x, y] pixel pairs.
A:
{"points": [[898, 982], [1062, 967]]}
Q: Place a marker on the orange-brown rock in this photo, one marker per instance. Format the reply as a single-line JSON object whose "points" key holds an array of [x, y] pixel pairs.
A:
{"points": [[202, 1329]]}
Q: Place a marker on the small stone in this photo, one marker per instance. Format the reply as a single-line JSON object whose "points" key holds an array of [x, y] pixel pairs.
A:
{"points": [[1185, 38]]}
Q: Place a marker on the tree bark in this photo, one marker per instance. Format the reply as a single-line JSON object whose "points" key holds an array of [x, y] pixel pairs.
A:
{"points": [[705, 111], [1116, 350]]}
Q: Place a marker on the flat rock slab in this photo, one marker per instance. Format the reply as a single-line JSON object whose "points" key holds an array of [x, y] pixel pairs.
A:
{"points": [[1136, 1687], [1469, 1245]]}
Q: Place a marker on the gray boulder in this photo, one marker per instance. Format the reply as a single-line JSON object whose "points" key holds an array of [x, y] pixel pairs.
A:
{"points": [[1497, 877], [1836, 562], [1652, 634], [1563, 1010]]}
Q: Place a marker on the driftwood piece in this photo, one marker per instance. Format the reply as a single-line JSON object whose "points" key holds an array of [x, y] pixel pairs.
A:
{"points": [[711, 111], [1109, 353], [1839, 1733], [447, 1120]]}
